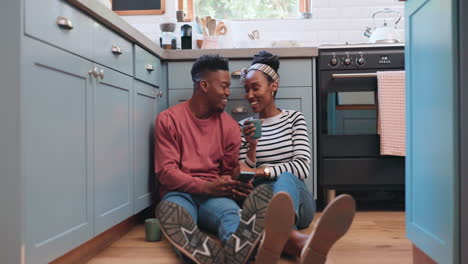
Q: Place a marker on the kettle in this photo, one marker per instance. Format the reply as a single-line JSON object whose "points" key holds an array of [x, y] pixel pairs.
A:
{"points": [[385, 33]]}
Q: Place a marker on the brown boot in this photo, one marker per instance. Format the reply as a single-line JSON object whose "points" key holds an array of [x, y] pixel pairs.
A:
{"points": [[332, 225], [279, 220]]}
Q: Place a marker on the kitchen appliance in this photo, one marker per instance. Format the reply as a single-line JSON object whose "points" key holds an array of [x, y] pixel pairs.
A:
{"points": [[385, 33], [348, 144], [186, 36]]}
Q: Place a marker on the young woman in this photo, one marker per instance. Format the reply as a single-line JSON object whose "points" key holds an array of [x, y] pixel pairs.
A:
{"points": [[281, 159]]}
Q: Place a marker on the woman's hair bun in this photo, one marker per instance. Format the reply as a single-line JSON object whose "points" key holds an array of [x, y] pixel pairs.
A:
{"points": [[267, 58]]}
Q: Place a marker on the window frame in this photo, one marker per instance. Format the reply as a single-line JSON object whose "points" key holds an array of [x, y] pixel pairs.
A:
{"points": [[304, 7]]}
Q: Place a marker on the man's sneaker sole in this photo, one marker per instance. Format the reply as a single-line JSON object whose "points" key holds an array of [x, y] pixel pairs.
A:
{"points": [[179, 228], [241, 244], [335, 221]]}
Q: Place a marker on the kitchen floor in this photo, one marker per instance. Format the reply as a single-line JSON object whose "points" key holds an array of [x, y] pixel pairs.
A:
{"points": [[374, 237]]}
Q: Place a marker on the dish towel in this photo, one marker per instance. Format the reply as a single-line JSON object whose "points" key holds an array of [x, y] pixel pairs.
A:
{"points": [[391, 113]]}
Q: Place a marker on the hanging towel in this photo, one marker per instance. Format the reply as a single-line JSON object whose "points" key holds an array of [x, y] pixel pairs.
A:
{"points": [[391, 112]]}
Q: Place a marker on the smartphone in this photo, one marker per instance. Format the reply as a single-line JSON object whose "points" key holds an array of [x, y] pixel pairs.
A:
{"points": [[246, 176]]}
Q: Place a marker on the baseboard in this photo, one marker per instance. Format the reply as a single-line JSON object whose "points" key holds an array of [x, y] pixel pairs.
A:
{"points": [[93, 247], [419, 257]]}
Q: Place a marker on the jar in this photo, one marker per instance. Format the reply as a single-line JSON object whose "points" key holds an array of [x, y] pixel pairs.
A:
{"points": [[168, 40]]}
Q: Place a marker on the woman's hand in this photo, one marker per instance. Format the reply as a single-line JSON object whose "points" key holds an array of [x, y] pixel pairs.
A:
{"points": [[248, 131], [244, 167]]}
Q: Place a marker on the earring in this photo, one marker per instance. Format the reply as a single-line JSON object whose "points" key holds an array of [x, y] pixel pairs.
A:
{"points": [[272, 93]]}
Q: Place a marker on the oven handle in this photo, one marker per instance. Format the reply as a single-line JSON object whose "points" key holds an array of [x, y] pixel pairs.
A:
{"points": [[353, 75]]}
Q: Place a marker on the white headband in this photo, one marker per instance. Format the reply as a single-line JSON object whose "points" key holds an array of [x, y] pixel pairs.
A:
{"points": [[260, 67]]}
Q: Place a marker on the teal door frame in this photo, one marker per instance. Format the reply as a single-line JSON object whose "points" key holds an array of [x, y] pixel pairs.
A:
{"points": [[433, 163], [463, 73]]}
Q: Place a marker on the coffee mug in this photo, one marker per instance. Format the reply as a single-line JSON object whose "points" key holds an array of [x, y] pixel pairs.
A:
{"points": [[152, 230], [258, 127]]}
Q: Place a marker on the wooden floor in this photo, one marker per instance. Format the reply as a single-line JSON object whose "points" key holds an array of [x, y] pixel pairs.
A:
{"points": [[374, 237]]}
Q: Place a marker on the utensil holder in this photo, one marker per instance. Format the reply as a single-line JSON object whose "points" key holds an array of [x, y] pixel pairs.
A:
{"points": [[210, 42]]}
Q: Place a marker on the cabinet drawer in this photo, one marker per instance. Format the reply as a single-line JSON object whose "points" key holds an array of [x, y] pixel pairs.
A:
{"points": [[112, 50], [147, 66], [42, 18], [364, 171], [293, 73]]}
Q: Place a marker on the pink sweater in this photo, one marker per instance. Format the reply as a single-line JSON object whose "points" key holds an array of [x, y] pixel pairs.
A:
{"points": [[190, 151]]}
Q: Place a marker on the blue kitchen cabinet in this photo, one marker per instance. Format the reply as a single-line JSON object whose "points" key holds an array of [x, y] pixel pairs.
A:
{"points": [[59, 24], [147, 66], [68, 129], [111, 50], [296, 92], [113, 148], [146, 106], [56, 151], [433, 139]]}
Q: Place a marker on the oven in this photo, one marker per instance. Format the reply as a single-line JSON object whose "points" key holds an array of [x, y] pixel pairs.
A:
{"points": [[347, 107]]}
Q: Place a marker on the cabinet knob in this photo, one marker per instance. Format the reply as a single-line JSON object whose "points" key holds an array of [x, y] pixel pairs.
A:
{"points": [[93, 72], [116, 50], [159, 94], [239, 110], [101, 74], [149, 67], [236, 73], [64, 22]]}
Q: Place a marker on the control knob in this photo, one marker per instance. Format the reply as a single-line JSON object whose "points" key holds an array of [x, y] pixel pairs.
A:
{"points": [[360, 61], [347, 61], [333, 62]]}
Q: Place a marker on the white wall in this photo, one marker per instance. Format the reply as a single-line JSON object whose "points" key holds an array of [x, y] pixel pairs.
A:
{"points": [[333, 21]]}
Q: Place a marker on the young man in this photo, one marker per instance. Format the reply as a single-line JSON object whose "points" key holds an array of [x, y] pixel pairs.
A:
{"points": [[196, 156]]}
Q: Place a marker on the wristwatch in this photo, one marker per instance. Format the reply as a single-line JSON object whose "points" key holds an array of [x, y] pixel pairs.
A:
{"points": [[266, 171]]}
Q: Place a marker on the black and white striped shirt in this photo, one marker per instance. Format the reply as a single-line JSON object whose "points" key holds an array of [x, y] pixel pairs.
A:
{"points": [[283, 147]]}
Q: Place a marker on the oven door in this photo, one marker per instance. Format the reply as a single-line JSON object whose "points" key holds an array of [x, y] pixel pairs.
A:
{"points": [[348, 114]]}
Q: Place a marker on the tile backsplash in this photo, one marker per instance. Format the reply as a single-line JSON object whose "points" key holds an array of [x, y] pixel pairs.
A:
{"points": [[333, 21]]}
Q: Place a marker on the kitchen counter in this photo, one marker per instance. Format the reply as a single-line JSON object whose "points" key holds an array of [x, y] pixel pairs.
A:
{"points": [[116, 23]]}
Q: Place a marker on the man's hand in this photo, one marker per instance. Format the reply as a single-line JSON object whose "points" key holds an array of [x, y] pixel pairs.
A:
{"points": [[242, 190], [220, 187]]}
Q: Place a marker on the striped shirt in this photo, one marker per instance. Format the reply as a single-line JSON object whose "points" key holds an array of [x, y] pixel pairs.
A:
{"points": [[283, 147]]}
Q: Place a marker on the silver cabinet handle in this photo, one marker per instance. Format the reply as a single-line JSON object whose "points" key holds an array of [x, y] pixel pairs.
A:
{"points": [[101, 74], [64, 22], [159, 94], [236, 73], [94, 72], [239, 110], [116, 50], [149, 67]]}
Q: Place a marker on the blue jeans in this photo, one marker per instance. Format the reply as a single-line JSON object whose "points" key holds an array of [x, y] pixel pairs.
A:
{"points": [[216, 215], [303, 200]]}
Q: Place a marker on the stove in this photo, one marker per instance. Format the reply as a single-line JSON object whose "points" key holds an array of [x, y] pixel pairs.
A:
{"points": [[347, 106]]}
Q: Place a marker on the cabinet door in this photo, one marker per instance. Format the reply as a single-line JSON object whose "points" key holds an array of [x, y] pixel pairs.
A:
{"points": [[432, 139], [113, 157], [56, 151], [145, 105]]}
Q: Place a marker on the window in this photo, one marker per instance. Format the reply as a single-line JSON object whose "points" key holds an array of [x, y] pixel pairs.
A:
{"points": [[245, 9]]}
